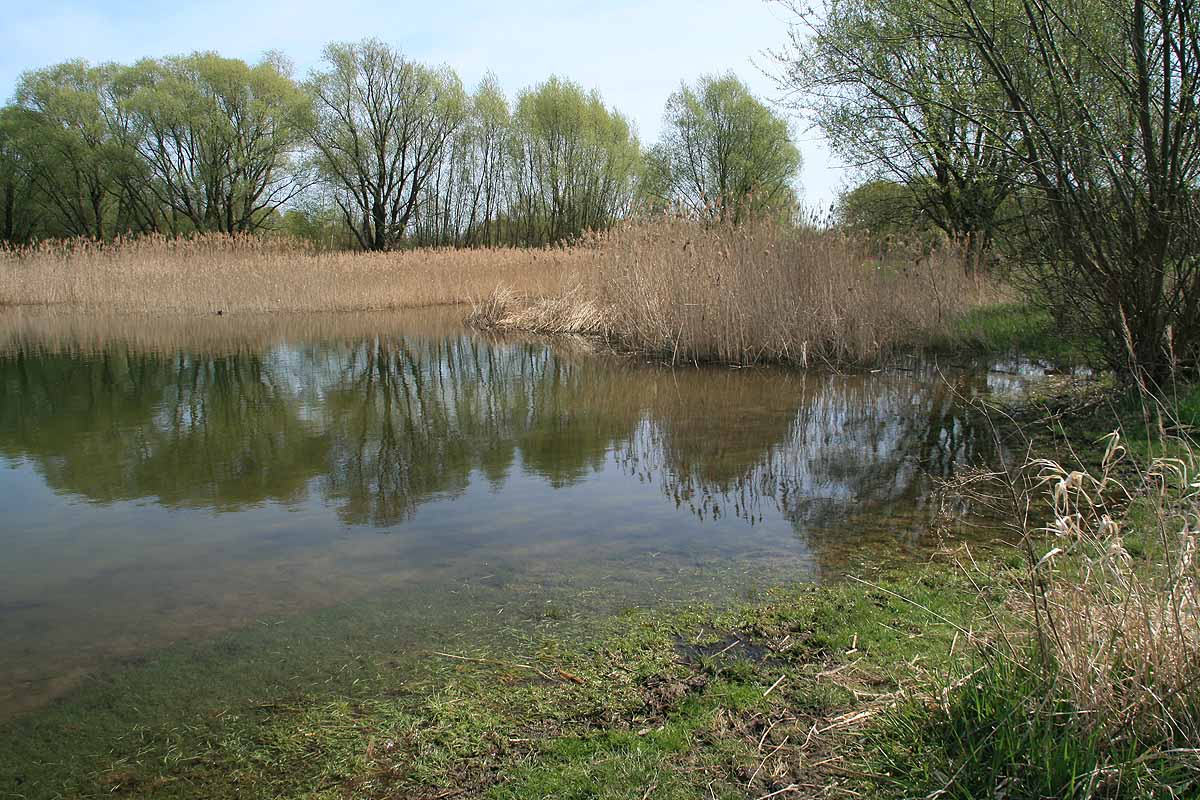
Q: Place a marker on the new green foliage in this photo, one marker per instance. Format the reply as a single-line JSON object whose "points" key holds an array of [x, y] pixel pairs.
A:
{"points": [[373, 150], [383, 123], [1080, 114], [574, 161], [724, 154], [907, 107], [218, 140]]}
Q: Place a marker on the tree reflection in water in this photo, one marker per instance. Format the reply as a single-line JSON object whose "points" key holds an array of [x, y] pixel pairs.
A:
{"points": [[379, 426], [475, 456]]}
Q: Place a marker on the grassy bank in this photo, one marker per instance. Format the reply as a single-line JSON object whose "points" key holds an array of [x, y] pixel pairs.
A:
{"points": [[750, 294], [1088, 684], [766, 695], [1009, 328], [248, 274], [1063, 668]]}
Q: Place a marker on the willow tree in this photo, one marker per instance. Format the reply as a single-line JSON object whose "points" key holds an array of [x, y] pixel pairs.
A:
{"points": [[382, 123], [1106, 97], [62, 127], [1092, 107], [18, 212], [467, 192], [218, 139], [723, 153], [907, 106], [491, 127], [575, 163]]}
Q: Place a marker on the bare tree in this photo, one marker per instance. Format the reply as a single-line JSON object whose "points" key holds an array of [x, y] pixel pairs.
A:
{"points": [[905, 105]]}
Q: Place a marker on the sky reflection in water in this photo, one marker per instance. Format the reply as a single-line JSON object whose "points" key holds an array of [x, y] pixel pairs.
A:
{"points": [[164, 482]]}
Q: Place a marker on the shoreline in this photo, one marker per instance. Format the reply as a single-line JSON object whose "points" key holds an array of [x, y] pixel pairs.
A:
{"points": [[802, 690], [516, 718]]}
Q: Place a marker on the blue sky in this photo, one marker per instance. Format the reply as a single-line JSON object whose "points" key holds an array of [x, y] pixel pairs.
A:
{"points": [[634, 53]]}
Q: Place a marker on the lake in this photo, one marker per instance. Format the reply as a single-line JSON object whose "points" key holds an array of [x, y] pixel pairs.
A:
{"points": [[166, 482]]}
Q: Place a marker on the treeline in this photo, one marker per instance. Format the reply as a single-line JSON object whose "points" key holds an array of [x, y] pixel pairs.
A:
{"points": [[1063, 136], [371, 150]]}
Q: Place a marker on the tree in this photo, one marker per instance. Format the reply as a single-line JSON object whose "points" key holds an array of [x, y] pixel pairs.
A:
{"points": [[574, 163], [467, 190], [18, 217], [907, 106], [884, 210], [1089, 108], [381, 126], [1106, 97], [723, 153], [218, 139], [491, 127], [62, 127]]}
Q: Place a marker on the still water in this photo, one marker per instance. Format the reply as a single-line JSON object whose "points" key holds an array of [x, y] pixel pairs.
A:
{"points": [[164, 481]]}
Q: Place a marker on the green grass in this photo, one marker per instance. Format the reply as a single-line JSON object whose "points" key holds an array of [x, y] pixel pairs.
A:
{"points": [[1010, 731], [1008, 726], [1187, 405], [1011, 329], [1004, 731], [639, 702]]}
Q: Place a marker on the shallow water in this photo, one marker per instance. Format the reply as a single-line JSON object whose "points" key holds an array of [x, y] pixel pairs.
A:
{"points": [[167, 480]]}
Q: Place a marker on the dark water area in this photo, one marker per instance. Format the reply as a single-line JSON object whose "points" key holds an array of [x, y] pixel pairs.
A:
{"points": [[166, 481]]}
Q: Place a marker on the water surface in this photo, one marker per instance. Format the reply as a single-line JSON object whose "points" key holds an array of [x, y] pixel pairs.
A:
{"points": [[166, 480]]}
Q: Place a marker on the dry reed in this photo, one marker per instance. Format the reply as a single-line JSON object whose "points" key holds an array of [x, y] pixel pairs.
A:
{"points": [[747, 294], [214, 273], [63, 329], [1101, 630], [1124, 635]]}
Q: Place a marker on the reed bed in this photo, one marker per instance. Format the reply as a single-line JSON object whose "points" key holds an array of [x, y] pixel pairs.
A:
{"points": [[62, 329], [748, 294], [212, 273]]}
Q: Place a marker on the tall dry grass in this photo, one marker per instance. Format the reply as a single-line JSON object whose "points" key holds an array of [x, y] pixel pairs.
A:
{"points": [[1087, 681], [63, 329], [746, 294], [211, 273], [1123, 632]]}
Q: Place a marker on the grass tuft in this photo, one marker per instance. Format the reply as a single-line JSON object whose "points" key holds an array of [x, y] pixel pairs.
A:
{"points": [[1086, 682]]}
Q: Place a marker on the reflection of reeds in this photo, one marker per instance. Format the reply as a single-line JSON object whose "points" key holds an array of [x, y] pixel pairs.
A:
{"points": [[243, 273], [59, 330], [752, 293]]}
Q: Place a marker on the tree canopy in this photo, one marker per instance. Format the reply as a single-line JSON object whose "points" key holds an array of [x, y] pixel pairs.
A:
{"points": [[723, 153], [1083, 114], [371, 149], [904, 106]]}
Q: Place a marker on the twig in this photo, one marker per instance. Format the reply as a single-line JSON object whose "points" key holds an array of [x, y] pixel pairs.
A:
{"points": [[493, 662], [763, 763], [727, 649]]}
